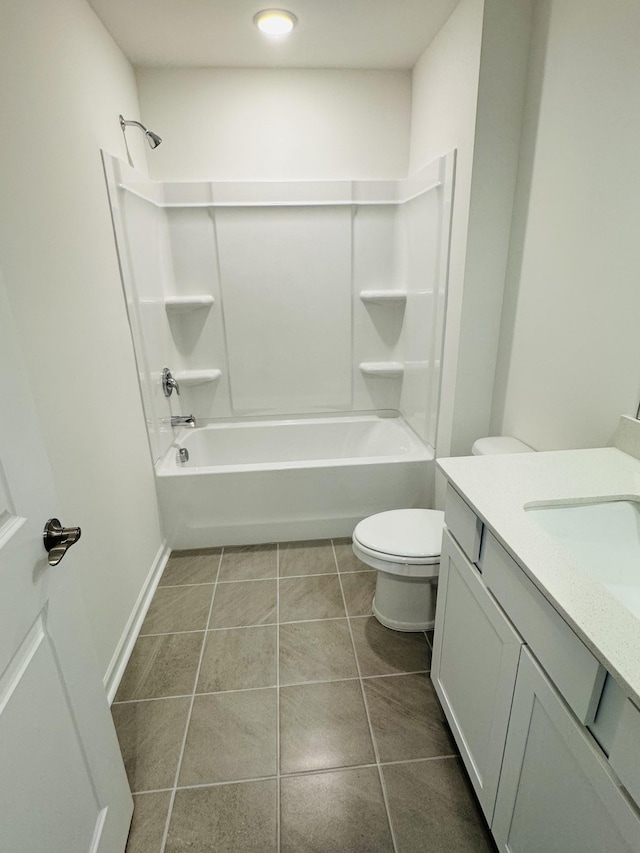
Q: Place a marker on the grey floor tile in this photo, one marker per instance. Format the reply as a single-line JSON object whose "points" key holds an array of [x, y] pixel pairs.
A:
{"points": [[382, 651], [147, 826], [178, 608], [242, 604], [317, 597], [238, 658], [432, 808], [161, 666], [198, 566], [323, 725], [359, 589], [347, 560], [232, 736], [249, 562], [225, 819], [406, 718], [314, 557], [150, 735], [429, 637], [314, 651], [342, 810]]}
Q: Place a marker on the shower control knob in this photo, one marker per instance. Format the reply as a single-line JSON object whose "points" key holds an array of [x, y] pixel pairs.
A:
{"points": [[58, 539], [169, 383]]}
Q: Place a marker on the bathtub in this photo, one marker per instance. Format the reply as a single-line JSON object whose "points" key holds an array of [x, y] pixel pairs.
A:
{"points": [[283, 480]]}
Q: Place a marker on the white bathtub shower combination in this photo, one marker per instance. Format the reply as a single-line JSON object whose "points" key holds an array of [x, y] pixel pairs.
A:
{"points": [[275, 480], [272, 300]]}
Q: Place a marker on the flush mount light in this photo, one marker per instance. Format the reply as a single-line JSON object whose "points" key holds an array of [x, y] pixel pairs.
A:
{"points": [[275, 22]]}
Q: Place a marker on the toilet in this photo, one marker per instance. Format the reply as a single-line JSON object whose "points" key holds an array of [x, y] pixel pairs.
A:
{"points": [[404, 546]]}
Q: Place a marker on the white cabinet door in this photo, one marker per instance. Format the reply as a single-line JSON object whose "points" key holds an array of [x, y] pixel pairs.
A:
{"points": [[557, 793], [63, 788], [475, 659]]}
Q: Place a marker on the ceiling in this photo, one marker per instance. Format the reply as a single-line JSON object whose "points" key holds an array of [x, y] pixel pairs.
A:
{"points": [[371, 34]]}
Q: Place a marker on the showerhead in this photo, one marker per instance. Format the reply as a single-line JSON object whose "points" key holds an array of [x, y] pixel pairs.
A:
{"points": [[152, 138]]}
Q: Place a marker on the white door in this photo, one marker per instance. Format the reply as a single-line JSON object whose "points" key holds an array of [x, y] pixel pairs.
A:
{"points": [[63, 787]]}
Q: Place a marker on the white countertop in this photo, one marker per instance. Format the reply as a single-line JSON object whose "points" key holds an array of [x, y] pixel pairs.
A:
{"points": [[499, 487]]}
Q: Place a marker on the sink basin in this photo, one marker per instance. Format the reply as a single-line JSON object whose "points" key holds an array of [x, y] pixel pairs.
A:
{"points": [[604, 536]]}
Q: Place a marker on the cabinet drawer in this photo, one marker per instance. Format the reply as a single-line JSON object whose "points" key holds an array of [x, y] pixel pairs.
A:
{"points": [[624, 757], [577, 674], [463, 523]]}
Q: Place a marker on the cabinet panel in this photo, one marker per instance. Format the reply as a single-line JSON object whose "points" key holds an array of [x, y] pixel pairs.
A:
{"points": [[475, 659], [625, 751], [556, 792], [463, 523], [569, 663]]}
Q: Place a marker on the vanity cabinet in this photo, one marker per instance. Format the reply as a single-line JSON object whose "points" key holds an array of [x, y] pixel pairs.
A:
{"points": [[475, 660], [557, 793], [520, 690]]}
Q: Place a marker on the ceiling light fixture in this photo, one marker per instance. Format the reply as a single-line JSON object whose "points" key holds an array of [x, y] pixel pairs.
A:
{"points": [[275, 22]]}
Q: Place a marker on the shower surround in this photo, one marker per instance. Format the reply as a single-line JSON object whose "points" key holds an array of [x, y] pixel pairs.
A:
{"points": [[280, 302]]}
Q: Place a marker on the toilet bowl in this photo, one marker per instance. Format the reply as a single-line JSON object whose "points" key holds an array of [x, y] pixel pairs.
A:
{"points": [[404, 546]]}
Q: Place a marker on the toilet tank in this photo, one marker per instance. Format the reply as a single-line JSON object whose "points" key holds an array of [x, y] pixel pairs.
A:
{"points": [[494, 445]]}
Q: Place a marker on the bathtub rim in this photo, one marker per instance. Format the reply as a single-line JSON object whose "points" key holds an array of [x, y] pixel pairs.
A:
{"points": [[167, 466]]}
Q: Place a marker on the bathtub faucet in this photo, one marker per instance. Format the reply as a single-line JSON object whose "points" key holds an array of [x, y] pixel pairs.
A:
{"points": [[183, 420]]}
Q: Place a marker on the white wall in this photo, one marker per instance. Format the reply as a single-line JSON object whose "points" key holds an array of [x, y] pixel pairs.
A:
{"points": [[445, 92], [570, 347], [468, 94], [245, 124], [64, 83]]}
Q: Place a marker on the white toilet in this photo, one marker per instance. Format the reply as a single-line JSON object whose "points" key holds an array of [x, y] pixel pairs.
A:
{"points": [[404, 546]]}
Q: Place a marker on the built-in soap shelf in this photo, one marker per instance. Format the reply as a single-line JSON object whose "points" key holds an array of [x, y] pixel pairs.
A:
{"points": [[382, 369], [182, 304], [197, 377], [384, 297]]}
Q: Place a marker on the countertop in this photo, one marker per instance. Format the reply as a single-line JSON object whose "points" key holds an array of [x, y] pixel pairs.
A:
{"points": [[499, 487]]}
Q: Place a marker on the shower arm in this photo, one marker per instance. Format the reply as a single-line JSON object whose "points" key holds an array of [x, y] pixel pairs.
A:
{"points": [[126, 123], [152, 138]]}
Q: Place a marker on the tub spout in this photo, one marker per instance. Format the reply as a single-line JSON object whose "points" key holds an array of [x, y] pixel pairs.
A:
{"points": [[183, 420]]}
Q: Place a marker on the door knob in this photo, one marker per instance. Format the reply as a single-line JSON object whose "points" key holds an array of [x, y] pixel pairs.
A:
{"points": [[57, 539]]}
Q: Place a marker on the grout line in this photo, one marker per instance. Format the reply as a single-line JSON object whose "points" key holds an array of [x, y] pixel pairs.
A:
{"points": [[188, 723], [294, 774], [418, 760], [366, 709], [253, 625], [278, 825], [323, 771], [277, 685], [227, 782], [152, 699], [168, 633], [283, 578], [151, 791], [180, 585]]}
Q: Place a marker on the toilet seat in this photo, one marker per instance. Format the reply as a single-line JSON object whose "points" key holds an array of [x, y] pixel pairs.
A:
{"points": [[401, 541]]}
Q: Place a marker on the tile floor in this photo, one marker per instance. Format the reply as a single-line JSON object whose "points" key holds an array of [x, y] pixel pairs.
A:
{"points": [[264, 709]]}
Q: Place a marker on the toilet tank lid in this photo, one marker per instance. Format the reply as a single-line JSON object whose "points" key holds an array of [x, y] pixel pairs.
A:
{"points": [[493, 445], [403, 532]]}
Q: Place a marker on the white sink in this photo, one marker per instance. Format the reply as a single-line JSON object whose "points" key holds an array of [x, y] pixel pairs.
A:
{"points": [[605, 537]]}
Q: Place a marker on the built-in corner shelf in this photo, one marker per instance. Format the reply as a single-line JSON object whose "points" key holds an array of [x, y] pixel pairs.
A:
{"points": [[382, 369], [197, 377], [182, 304], [384, 297]]}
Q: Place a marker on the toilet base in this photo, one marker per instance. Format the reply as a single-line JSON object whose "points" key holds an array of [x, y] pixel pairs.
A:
{"points": [[405, 603]]}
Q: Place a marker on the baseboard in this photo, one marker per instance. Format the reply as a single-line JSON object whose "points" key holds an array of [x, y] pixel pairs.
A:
{"points": [[121, 656]]}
